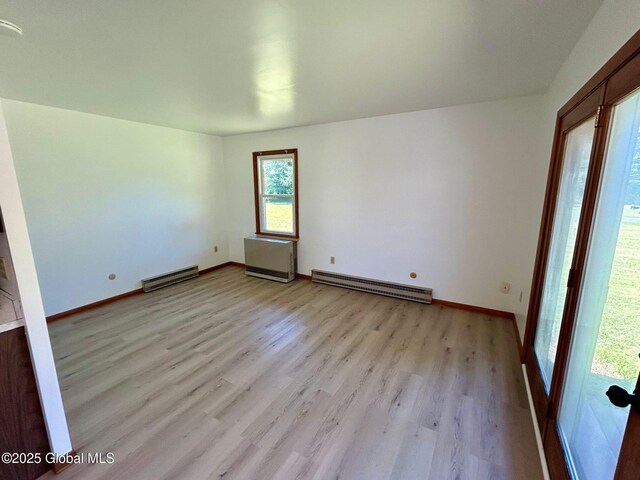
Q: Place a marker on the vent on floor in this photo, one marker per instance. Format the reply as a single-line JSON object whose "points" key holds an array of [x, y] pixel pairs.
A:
{"points": [[397, 290], [166, 279]]}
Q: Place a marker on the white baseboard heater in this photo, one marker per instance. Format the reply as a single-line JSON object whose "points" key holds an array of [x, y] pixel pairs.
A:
{"points": [[271, 258], [171, 278], [397, 290]]}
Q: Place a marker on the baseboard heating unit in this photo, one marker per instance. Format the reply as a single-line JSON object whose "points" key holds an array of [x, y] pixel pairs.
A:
{"points": [[166, 279], [271, 258], [397, 290]]}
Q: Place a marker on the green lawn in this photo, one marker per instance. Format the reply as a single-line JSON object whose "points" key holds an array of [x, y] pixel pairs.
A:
{"points": [[619, 341], [279, 217]]}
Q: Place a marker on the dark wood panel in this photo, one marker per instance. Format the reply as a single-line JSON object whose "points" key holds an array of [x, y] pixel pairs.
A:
{"points": [[583, 111], [619, 59], [555, 454], [626, 80], [22, 428], [627, 468]]}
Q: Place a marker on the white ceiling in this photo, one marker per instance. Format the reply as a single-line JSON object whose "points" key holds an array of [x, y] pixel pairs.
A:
{"points": [[226, 67]]}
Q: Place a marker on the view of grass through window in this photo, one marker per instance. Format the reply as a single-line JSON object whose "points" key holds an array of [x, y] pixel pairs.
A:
{"points": [[279, 215], [622, 309], [605, 340], [613, 357], [278, 195]]}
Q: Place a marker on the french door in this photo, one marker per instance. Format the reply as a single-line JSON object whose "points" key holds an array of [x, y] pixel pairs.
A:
{"points": [[583, 331]]}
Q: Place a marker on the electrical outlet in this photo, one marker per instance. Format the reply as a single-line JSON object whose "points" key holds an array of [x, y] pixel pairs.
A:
{"points": [[332, 260], [215, 248], [505, 287]]}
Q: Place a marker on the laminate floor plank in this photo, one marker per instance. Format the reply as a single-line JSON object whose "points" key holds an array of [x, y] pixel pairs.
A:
{"points": [[232, 377]]}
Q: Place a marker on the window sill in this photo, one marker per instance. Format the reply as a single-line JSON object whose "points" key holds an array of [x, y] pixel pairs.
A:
{"points": [[278, 237]]}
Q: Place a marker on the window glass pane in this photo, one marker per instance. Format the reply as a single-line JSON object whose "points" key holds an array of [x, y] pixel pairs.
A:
{"points": [[606, 340], [278, 214], [563, 238], [278, 176]]}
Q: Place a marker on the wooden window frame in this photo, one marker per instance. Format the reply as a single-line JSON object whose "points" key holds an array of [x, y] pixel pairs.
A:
{"points": [[256, 193], [618, 76]]}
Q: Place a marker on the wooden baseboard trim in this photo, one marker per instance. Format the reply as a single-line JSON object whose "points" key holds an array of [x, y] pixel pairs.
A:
{"points": [[491, 312], [215, 267], [301, 276], [516, 330], [62, 465], [473, 308], [106, 301], [91, 306]]}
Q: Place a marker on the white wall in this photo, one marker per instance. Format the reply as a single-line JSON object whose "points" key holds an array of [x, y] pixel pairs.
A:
{"points": [[35, 325], [438, 192], [454, 194], [463, 205], [612, 25], [104, 196]]}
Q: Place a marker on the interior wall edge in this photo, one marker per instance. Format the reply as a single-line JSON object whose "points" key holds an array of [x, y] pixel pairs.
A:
{"points": [[35, 324]]}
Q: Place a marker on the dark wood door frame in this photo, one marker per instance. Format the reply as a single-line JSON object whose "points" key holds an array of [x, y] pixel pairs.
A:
{"points": [[617, 78]]}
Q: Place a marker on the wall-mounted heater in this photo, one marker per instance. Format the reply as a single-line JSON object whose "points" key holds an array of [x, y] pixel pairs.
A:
{"points": [[270, 258], [166, 279], [397, 290]]}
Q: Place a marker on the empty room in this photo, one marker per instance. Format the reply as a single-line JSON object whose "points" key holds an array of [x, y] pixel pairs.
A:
{"points": [[295, 239]]}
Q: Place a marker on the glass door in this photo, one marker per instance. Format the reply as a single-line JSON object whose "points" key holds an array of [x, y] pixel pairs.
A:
{"points": [[582, 340], [606, 338], [578, 145]]}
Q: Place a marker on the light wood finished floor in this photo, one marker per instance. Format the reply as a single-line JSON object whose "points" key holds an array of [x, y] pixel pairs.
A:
{"points": [[230, 376]]}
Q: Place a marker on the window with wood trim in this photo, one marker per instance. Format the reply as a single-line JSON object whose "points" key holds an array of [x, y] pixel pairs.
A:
{"points": [[275, 178]]}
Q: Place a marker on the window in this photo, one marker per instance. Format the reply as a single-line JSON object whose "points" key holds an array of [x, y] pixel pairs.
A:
{"points": [[275, 176]]}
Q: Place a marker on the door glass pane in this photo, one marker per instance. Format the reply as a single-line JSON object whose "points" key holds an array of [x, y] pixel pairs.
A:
{"points": [[606, 340], [577, 152]]}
